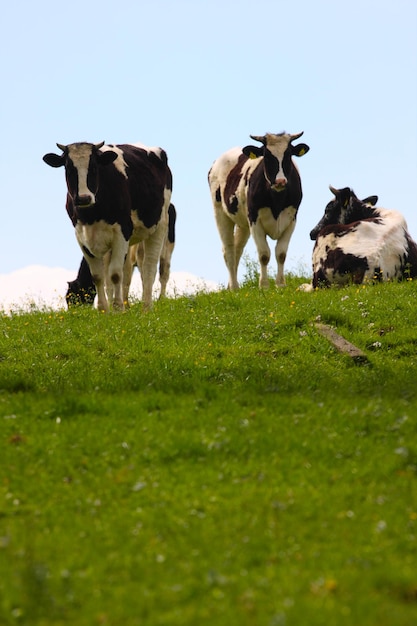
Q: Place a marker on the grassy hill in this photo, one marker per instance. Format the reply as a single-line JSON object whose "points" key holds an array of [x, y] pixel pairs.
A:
{"points": [[215, 461]]}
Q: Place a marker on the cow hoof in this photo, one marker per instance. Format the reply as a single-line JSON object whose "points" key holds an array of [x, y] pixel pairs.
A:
{"points": [[305, 287]]}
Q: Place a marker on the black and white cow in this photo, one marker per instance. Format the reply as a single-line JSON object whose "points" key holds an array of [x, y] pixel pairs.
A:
{"points": [[117, 195], [358, 242], [83, 291], [257, 190]]}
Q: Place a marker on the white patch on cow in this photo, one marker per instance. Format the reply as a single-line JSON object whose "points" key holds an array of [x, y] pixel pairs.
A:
{"points": [[98, 237], [277, 145], [80, 155], [120, 164], [140, 232], [154, 149], [272, 227]]}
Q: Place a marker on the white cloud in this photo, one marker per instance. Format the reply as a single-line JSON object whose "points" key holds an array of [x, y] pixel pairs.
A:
{"points": [[39, 287]]}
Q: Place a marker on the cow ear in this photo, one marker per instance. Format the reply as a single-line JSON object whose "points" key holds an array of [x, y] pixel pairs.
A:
{"points": [[253, 152], [107, 157], [370, 200], [54, 160], [300, 149], [344, 195]]}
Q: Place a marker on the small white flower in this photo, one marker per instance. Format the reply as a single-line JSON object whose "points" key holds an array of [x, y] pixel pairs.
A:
{"points": [[381, 526]]}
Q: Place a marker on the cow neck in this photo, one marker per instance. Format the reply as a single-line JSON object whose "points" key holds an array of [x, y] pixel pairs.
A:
{"points": [[360, 211], [87, 215]]}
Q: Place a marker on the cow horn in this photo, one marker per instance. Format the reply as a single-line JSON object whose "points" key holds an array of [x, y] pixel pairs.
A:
{"points": [[61, 147], [333, 190], [260, 138], [297, 136], [99, 145]]}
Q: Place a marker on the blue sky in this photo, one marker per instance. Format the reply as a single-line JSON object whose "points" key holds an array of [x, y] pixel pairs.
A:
{"points": [[197, 77]]}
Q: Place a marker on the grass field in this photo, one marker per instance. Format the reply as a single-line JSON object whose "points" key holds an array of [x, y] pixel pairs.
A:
{"points": [[213, 462]]}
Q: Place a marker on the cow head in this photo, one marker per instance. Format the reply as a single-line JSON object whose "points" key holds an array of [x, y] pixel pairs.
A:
{"points": [[82, 163], [339, 210], [76, 294], [277, 151]]}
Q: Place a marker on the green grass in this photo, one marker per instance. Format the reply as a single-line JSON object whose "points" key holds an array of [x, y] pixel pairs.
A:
{"points": [[215, 461]]}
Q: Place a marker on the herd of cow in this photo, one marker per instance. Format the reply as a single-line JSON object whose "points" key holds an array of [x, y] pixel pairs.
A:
{"points": [[119, 202]]}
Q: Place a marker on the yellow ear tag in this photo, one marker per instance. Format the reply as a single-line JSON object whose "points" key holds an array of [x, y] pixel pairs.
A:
{"points": [[252, 155], [302, 152]]}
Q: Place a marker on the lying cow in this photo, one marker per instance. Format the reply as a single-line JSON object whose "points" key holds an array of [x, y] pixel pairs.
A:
{"points": [[358, 242], [257, 190], [117, 196], [83, 291]]}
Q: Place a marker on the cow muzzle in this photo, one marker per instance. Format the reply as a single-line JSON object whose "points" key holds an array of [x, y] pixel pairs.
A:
{"points": [[84, 200], [279, 184]]}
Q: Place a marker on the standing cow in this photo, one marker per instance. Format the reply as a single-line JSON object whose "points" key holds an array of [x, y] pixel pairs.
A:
{"points": [[83, 291], [257, 190], [117, 195], [356, 242]]}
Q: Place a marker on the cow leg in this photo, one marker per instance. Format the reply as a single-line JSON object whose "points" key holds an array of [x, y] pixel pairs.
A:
{"points": [[139, 256], [151, 253], [119, 254], [107, 282], [129, 265], [97, 270], [136, 255], [281, 253], [226, 228], [241, 239], [264, 254], [165, 266]]}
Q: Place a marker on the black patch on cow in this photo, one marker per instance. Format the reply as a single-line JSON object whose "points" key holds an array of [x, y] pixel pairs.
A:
{"points": [[77, 295], [358, 210], [88, 253], [218, 195], [377, 274], [271, 165], [339, 230], [233, 205], [172, 218], [409, 263], [82, 290], [232, 183], [348, 265]]}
